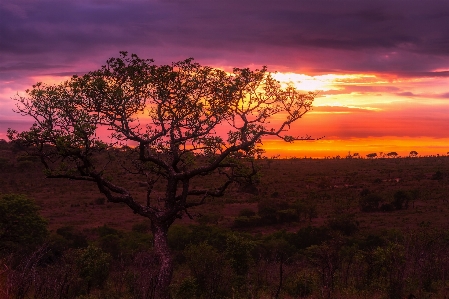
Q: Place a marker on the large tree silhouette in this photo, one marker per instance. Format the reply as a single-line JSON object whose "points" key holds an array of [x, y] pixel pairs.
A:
{"points": [[180, 121]]}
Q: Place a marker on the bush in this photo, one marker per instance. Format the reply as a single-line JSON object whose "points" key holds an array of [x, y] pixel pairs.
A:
{"points": [[73, 238], [401, 200], [246, 212], [308, 236], [21, 226], [142, 227], [93, 264], [387, 207], [287, 215], [369, 202], [210, 270], [345, 223], [243, 221], [268, 210]]}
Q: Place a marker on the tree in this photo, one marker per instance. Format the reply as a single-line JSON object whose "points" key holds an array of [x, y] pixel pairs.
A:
{"points": [[392, 154], [167, 119], [413, 154], [371, 156]]}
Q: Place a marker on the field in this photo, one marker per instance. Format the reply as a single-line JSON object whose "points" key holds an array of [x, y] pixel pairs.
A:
{"points": [[333, 185], [400, 201]]}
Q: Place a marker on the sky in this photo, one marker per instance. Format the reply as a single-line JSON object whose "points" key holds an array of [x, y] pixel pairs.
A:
{"points": [[381, 67]]}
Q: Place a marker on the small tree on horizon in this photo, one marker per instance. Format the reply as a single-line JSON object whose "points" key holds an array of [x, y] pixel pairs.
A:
{"points": [[371, 156], [183, 121]]}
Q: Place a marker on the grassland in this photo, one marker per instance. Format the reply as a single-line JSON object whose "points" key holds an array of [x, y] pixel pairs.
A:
{"points": [[300, 194]]}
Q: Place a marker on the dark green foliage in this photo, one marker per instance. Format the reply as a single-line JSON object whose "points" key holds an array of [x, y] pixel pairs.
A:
{"points": [[238, 252], [267, 211], [187, 289], [5, 164], [309, 236], [279, 211], [299, 286], [369, 202], [141, 227], [73, 238], [210, 270], [111, 244], [107, 230], [244, 221], [246, 212], [93, 264], [179, 236], [21, 226], [344, 223]]}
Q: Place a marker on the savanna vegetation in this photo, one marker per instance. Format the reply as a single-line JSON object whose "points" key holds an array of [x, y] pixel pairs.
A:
{"points": [[346, 228]]}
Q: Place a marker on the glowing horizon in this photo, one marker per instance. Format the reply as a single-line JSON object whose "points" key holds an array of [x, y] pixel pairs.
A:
{"points": [[361, 113]]}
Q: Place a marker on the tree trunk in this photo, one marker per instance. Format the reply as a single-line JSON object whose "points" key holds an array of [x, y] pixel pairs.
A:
{"points": [[162, 252]]}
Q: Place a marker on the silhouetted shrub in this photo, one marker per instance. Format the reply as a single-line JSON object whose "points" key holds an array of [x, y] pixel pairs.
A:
{"points": [[401, 200], [369, 202]]}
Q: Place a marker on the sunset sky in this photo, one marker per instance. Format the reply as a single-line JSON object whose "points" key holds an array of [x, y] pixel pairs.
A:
{"points": [[382, 67]]}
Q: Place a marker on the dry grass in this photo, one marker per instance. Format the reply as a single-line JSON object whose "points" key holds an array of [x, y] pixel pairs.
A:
{"points": [[334, 185]]}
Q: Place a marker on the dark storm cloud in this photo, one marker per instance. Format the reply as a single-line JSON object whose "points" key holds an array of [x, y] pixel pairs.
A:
{"points": [[345, 35]]}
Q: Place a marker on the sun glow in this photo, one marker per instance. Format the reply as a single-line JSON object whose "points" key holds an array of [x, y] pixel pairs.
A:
{"points": [[322, 82]]}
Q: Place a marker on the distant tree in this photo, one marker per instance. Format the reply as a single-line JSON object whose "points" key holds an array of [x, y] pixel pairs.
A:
{"points": [[172, 116], [413, 154], [371, 156], [392, 154]]}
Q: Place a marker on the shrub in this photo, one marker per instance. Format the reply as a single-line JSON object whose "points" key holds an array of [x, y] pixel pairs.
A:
{"points": [[287, 215], [369, 202], [210, 270], [21, 226], [74, 239], [387, 207], [268, 208], [246, 212], [142, 227], [93, 264], [345, 223], [401, 200], [243, 221], [308, 236]]}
